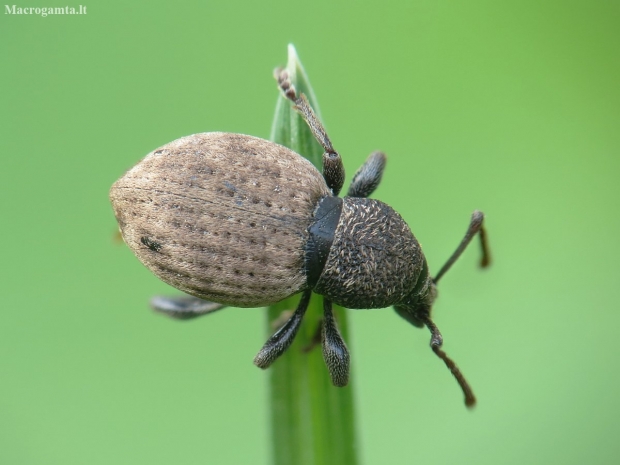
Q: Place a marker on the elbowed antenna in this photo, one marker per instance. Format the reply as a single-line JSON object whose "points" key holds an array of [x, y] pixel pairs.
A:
{"points": [[475, 226], [436, 342]]}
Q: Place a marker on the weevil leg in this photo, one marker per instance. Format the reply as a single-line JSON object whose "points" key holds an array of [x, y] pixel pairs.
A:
{"points": [[316, 339], [333, 169], [368, 176], [184, 307], [475, 227], [283, 338], [335, 351]]}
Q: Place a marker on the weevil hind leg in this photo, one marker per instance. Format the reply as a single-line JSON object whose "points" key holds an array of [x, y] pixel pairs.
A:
{"points": [[333, 169], [281, 340], [184, 307], [368, 176], [335, 352]]}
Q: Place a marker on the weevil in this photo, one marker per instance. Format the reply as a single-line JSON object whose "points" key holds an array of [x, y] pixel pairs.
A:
{"points": [[234, 220]]}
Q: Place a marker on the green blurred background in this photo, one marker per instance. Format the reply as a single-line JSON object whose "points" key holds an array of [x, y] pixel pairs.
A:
{"points": [[509, 107]]}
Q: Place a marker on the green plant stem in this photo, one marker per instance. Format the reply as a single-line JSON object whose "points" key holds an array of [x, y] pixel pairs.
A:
{"points": [[312, 422]]}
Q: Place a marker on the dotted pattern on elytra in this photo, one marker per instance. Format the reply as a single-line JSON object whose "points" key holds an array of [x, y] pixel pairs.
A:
{"points": [[230, 211], [374, 261]]}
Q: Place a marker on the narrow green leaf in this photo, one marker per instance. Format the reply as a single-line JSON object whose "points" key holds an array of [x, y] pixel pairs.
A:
{"points": [[312, 421]]}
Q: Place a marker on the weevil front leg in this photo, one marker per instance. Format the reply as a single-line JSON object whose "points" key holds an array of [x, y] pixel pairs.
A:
{"points": [[283, 338], [184, 307], [333, 169], [368, 176]]}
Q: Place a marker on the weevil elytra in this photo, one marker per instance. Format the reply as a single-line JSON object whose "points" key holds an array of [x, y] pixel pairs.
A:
{"points": [[234, 220]]}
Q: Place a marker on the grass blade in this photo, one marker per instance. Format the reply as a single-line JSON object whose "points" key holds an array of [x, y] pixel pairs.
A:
{"points": [[312, 422]]}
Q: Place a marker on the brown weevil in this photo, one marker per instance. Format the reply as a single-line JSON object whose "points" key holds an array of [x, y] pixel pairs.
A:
{"points": [[234, 220]]}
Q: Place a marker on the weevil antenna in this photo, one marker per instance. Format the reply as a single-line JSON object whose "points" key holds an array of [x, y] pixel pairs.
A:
{"points": [[436, 342], [475, 226]]}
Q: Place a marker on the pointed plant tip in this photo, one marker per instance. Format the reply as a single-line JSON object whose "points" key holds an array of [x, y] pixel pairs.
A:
{"points": [[292, 63], [293, 60], [295, 69]]}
